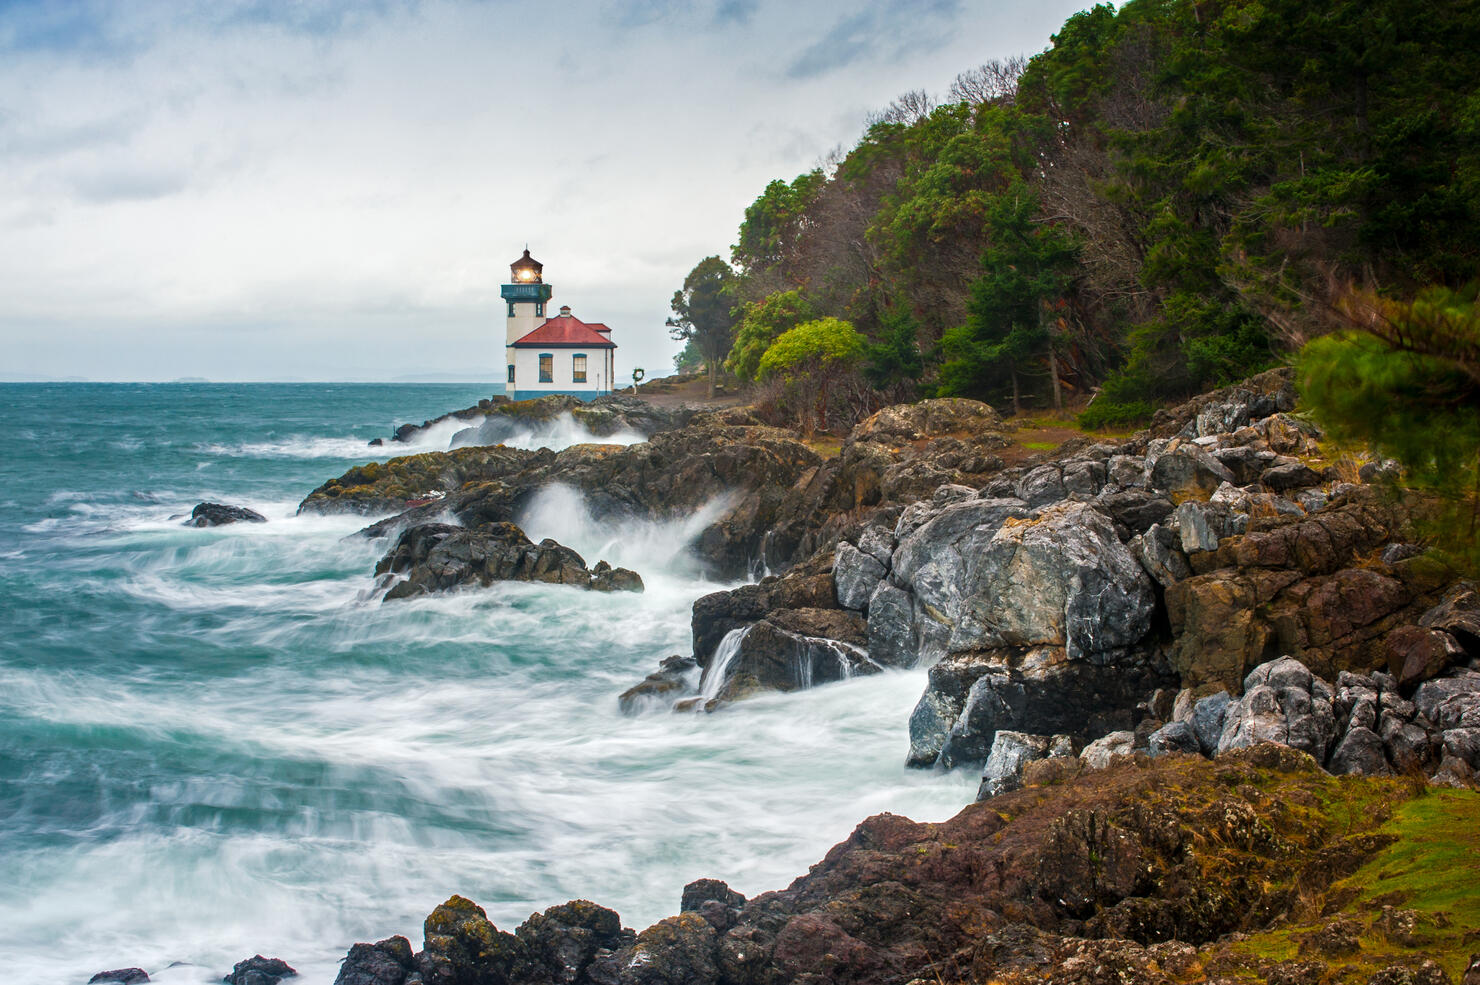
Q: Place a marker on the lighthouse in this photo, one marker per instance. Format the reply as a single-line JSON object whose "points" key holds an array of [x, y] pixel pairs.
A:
{"points": [[546, 355]]}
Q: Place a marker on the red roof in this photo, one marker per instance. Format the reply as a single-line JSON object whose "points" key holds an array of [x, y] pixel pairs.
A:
{"points": [[567, 330]]}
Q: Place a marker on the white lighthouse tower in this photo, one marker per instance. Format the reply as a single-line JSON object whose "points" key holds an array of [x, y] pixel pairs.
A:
{"points": [[526, 296]]}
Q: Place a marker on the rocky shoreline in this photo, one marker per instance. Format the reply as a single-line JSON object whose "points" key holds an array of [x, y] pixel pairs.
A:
{"points": [[1203, 673]]}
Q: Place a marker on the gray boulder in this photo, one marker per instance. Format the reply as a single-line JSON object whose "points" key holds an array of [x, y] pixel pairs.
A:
{"points": [[1011, 751], [892, 640], [1159, 551], [1291, 475], [1450, 702], [1107, 748], [989, 574], [1042, 485], [878, 543], [220, 514], [1359, 752], [1282, 702], [1189, 471], [856, 575], [1173, 737], [1207, 720]]}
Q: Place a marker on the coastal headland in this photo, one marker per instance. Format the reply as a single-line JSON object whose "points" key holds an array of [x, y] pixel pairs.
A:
{"points": [[1223, 701]]}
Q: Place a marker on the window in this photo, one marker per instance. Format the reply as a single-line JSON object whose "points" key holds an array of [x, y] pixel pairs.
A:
{"points": [[547, 368], [511, 372], [511, 309], [578, 368], [539, 309]]}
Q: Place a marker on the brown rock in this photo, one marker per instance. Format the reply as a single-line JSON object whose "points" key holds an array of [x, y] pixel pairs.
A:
{"points": [[1415, 654]]}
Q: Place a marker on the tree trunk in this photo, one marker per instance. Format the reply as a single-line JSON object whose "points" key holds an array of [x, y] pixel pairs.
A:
{"points": [[1053, 372], [711, 379], [1017, 406]]}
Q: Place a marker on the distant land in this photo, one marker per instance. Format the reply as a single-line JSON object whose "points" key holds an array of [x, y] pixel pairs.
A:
{"points": [[38, 378]]}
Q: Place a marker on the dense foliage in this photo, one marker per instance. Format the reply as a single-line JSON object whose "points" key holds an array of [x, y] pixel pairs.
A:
{"points": [[1160, 202], [1405, 381]]}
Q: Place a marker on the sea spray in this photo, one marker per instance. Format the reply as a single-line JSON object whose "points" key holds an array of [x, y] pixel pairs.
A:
{"points": [[660, 547], [718, 671], [214, 746], [561, 431]]}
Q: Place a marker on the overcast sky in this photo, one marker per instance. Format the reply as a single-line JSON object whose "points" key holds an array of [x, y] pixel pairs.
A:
{"points": [[333, 189]]}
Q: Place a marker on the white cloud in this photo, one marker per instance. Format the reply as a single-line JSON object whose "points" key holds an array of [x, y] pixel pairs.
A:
{"points": [[316, 190]]}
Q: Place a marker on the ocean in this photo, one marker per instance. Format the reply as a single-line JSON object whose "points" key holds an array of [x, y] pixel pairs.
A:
{"points": [[218, 742]]}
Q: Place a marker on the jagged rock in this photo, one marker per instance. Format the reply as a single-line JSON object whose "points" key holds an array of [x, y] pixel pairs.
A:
{"points": [[1360, 751], [1200, 525], [1038, 690], [856, 575], [1042, 485], [438, 557], [219, 514], [258, 970], [1459, 615], [1135, 509], [1450, 702], [904, 423], [1173, 737], [1159, 551], [1425, 973], [675, 678], [1463, 744], [700, 891], [602, 417], [127, 976], [1208, 715], [1282, 702], [891, 627], [561, 943], [1011, 751], [605, 578], [1100, 753], [679, 950], [1415, 654], [1292, 475], [743, 474], [1246, 463], [987, 573], [795, 649], [463, 948], [878, 543], [386, 962], [1398, 926], [1186, 471]]}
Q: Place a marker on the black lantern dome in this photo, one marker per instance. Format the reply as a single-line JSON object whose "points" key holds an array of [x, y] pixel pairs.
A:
{"points": [[526, 270]]}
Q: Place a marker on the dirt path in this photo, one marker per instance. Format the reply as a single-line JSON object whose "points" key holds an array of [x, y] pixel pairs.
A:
{"points": [[685, 391]]}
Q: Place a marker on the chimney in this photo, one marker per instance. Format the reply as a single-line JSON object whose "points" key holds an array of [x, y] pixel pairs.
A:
{"points": [[565, 311]]}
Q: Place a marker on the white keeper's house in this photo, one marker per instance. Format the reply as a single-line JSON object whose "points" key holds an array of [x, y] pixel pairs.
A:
{"points": [[551, 355]]}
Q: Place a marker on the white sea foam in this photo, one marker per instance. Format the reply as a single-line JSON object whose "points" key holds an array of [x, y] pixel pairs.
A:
{"points": [[268, 763], [652, 549]]}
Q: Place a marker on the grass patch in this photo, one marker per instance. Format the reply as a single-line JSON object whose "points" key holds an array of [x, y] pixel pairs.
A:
{"points": [[1433, 869], [1435, 863], [1040, 445], [825, 445]]}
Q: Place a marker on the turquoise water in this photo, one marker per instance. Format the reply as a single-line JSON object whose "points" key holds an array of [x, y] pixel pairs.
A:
{"points": [[215, 743]]}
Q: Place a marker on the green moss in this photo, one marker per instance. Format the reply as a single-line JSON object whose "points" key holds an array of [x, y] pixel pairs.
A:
{"points": [[1432, 867]]}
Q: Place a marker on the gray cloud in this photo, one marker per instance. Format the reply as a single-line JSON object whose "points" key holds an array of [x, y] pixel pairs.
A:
{"points": [[19, 140], [886, 31], [127, 185], [735, 11]]}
